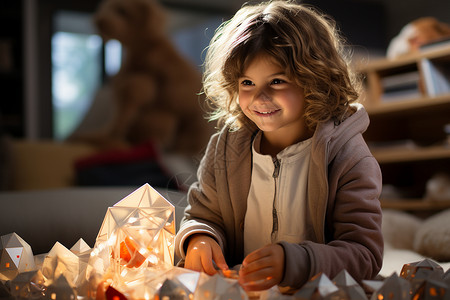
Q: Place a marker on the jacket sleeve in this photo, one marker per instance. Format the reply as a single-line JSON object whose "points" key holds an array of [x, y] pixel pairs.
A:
{"points": [[202, 215], [355, 241]]}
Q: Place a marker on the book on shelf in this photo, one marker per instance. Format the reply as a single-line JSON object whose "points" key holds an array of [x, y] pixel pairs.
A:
{"points": [[401, 86], [436, 77], [436, 44]]}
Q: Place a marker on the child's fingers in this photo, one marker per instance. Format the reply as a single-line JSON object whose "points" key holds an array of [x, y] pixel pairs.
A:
{"points": [[255, 267], [258, 280], [219, 259], [207, 264], [256, 256]]}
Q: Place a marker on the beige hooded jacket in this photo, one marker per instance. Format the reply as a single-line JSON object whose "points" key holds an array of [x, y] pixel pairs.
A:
{"points": [[344, 185]]}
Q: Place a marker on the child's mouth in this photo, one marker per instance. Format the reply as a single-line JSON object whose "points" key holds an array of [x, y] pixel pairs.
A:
{"points": [[267, 113]]}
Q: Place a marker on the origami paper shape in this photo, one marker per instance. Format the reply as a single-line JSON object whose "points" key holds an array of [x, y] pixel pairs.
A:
{"points": [[80, 247], [318, 287], [393, 287], [217, 288], [174, 290], [446, 277], [432, 290], [28, 285], [372, 285], [189, 279], [273, 294], [139, 230], [60, 289], [421, 269], [16, 256], [349, 286], [61, 261]]}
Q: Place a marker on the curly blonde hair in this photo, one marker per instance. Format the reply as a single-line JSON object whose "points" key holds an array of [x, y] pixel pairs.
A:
{"points": [[301, 40]]}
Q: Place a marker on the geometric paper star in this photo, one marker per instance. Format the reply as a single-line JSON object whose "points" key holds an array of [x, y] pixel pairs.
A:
{"points": [[218, 287], [140, 230], [346, 283], [318, 287], [80, 247], [393, 287], [28, 285], [61, 261], [16, 256]]}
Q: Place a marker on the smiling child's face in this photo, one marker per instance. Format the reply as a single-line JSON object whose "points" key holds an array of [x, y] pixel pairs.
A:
{"points": [[273, 101]]}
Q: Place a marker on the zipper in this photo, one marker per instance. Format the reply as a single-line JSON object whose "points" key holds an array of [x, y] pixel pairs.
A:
{"points": [[276, 172]]}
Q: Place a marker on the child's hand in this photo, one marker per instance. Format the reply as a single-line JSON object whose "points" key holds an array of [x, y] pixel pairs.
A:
{"points": [[262, 268], [201, 252]]}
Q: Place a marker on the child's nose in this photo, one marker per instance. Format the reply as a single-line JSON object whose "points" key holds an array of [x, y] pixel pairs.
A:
{"points": [[263, 95]]}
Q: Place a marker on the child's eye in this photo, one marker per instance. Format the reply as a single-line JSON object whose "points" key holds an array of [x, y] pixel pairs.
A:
{"points": [[247, 82], [278, 81]]}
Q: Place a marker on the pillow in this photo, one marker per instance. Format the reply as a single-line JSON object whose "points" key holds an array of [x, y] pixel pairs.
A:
{"points": [[399, 229], [44, 164], [433, 237]]}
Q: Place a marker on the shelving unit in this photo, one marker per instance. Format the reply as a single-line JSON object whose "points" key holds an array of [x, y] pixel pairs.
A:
{"points": [[407, 132]]}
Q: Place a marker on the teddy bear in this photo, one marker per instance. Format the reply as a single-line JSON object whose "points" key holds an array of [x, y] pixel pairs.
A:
{"points": [[156, 93], [416, 34]]}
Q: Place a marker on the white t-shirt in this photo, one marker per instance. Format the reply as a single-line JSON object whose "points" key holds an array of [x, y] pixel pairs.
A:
{"points": [[276, 206]]}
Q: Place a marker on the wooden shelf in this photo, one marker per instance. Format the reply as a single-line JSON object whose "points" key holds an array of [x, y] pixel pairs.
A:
{"points": [[389, 155], [410, 59], [408, 102], [382, 108], [414, 204]]}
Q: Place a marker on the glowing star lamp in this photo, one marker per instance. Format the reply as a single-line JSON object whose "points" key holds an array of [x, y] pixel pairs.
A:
{"points": [[421, 270], [140, 230], [16, 256], [135, 242]]}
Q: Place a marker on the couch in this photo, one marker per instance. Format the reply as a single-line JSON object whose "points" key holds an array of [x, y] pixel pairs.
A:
{"points": [[42, 200], [44, 217]]}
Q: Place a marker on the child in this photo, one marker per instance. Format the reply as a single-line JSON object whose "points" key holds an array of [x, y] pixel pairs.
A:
{"points": [[288, 188]]}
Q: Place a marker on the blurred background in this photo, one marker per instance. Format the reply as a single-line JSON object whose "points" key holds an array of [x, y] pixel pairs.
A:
{"points": [[52, 62]]}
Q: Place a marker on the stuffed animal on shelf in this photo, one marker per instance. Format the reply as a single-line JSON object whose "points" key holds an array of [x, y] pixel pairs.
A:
{"points": [[155, 95], [416, 34]]}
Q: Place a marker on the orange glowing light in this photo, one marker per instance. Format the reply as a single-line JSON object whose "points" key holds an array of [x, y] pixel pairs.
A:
{"points": [[230, 274], [130, 254]]}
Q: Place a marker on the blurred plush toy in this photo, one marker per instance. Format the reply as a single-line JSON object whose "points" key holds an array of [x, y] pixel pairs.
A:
{"points": [[417, 33], [155, 94]]}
